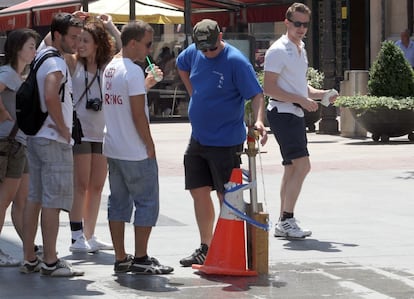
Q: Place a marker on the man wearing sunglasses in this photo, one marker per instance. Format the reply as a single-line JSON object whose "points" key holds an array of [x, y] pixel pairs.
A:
{"points": [[285, 82], [130, 150], [219, 79]]}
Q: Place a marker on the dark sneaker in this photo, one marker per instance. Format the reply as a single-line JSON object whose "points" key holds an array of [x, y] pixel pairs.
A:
{"points": [[29, 267], [61, 269], [39, 250], [198, 257], [150, 267], [125, 265]]}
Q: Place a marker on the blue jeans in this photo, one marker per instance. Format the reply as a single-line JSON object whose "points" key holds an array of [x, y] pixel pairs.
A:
{"points": [[133, 183]]}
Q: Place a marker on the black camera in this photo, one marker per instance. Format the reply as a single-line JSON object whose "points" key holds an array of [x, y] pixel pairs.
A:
{"points": [[94, 104]]}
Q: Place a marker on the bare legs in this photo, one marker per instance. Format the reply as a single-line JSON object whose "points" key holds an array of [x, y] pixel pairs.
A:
{"points": [[90, 175], [15, 191], [292, 181], [204, 212], [142, 234]]}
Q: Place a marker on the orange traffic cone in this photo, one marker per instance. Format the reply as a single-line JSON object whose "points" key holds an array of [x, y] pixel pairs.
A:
{"points": [[227, 252]]}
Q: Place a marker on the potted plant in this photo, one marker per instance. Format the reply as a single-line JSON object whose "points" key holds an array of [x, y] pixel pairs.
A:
{"points": [[315, 79], [248, 110], [388, 109]]}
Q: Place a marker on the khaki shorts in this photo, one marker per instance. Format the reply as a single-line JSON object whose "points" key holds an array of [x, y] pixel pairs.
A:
{"points": [[13, 159]]}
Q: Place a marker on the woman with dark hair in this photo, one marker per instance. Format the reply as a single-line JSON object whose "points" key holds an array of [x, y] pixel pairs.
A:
{"points": [[95, 50], [20, 50]]}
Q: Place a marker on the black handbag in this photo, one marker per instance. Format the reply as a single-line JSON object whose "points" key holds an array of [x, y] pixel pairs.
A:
{"points": [[77, 133]]}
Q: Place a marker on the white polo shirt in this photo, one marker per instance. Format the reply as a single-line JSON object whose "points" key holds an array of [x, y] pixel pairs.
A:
{"points": [[284, 58]]}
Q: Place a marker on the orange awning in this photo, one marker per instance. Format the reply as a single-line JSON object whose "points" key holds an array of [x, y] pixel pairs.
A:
{"points": [[33, 13]]}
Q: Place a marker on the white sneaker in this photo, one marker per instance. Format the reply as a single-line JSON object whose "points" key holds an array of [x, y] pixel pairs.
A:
{"points": [[7, 260], [97, 244], [289, 228], [80, 245]]}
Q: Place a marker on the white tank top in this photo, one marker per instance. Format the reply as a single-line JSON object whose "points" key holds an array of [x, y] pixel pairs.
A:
{"points": [[93, 122]]}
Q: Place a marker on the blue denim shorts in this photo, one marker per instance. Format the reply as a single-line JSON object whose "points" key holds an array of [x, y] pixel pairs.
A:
{"points": [[133, 183], [290, 133], [51, 173]]}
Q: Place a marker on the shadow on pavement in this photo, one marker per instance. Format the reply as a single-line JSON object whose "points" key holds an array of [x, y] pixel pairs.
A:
{"points": [[147, 283], [243, 283], [313, 244]]}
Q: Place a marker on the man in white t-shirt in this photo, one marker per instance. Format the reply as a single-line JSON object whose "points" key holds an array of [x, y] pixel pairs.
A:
{"points": [[50, 153], [285, 82], [128, 145]]}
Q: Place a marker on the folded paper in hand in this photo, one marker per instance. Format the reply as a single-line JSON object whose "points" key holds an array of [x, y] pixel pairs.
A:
{"points": [[327, 96]]}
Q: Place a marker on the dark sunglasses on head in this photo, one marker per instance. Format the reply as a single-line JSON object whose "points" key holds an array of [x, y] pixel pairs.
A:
{"points": [[297, 24], [210, 49]]}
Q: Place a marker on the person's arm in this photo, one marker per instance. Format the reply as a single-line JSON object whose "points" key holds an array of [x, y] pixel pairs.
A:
{"points": [[185, 77], [112, 29], [150, 80], [258, 106], [272, 89], [54, 107], [4, 114], [141, 123], [319, 94]]}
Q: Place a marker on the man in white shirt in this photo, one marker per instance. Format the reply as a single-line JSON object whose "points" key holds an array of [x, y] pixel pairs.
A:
{"points": [[50, 153], [285, 82], [128, 145]]}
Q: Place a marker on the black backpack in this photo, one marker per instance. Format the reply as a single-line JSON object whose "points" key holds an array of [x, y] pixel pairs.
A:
{"points": [[29, 115]]}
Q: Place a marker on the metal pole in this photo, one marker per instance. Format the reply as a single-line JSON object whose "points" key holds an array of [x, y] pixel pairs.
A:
{"points": [[251, 153], [257, 239], [187, 23], [85, 5], [132, 10]]}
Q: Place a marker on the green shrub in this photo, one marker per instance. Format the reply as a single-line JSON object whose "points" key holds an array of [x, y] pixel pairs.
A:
{"points": [[315, 78], [390, 84], [364, 102], [391, 75]]}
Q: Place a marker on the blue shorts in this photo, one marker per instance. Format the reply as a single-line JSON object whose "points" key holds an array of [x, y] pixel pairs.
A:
{"points": [[51, 173], [210, 165], [133, 183], [290, 133]]}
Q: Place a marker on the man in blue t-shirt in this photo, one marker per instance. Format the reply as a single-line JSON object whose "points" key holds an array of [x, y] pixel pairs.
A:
{"points": [[219, 80]]}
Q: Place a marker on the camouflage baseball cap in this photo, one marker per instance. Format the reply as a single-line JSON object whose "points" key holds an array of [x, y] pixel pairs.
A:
{"points": [[205, 34]]}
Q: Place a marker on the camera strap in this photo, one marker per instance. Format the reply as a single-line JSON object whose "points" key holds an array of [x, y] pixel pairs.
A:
{"points": [[89, 84]]}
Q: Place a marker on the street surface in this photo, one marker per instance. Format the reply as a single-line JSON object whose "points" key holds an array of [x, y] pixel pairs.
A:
{"points": [[357, 200]]}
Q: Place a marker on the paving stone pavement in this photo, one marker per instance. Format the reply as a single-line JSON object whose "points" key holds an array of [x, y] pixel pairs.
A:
{"points": [[357, 200]]}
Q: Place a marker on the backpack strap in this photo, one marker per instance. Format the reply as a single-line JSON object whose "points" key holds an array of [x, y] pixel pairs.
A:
{"points": [[13, 132], [36, 65]]}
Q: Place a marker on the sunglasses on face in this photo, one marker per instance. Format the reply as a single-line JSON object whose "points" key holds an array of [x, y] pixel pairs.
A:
{"points": [[209, 50], [148, 45], [297, 24]]}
